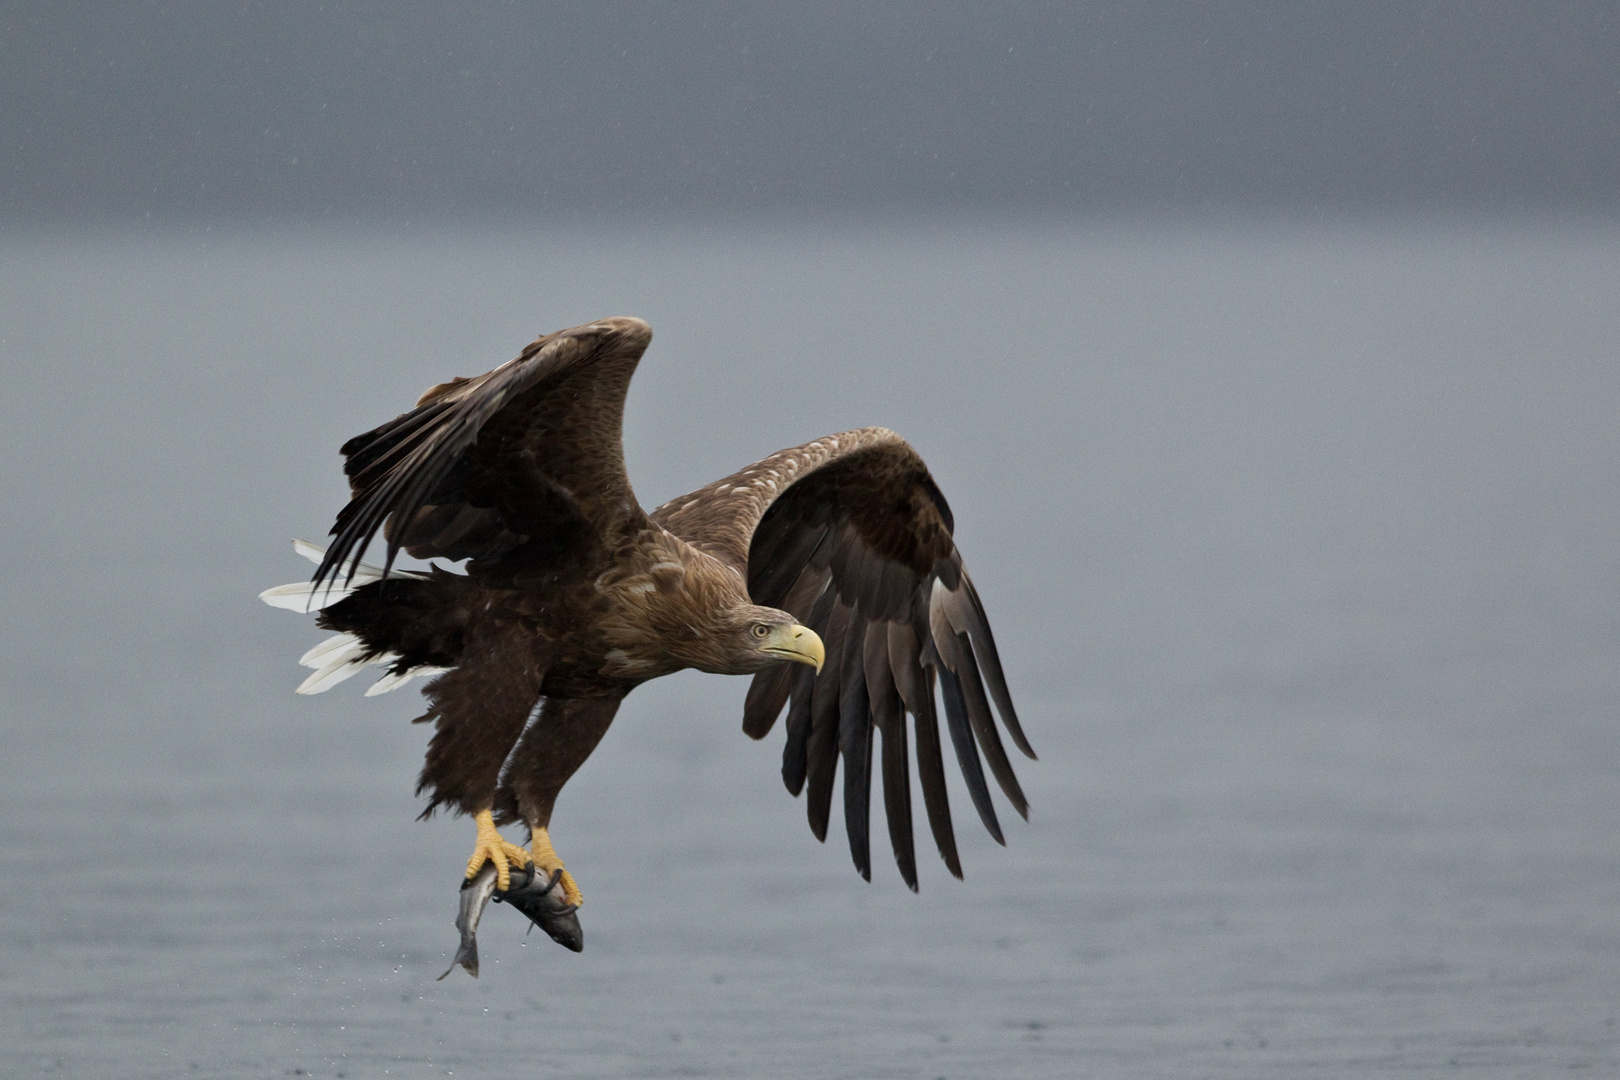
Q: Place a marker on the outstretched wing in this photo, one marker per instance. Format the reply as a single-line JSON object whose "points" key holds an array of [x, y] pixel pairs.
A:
{"points": [[531, 451], [852, 536]]}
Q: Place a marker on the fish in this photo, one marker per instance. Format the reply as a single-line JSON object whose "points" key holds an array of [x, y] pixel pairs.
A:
{"points": [[546, 905], [542, 900], [475, 894]]}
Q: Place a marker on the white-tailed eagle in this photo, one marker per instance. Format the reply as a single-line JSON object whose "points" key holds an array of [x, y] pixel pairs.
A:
{"points": [[826, 571]]}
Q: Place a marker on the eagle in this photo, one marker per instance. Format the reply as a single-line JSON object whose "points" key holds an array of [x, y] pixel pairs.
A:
{"points": [[826, 571]]}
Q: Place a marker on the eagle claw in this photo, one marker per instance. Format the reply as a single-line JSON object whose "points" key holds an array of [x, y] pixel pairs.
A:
{"points": [[494, 848], [546, 858]]}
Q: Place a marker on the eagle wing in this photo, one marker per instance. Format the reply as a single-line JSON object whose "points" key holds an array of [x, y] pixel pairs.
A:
{"points": [[531, 451], [851, 535]]}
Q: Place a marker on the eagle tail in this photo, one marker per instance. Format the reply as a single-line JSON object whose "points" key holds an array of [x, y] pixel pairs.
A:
{"points": [[308, 596], [343, 655]]}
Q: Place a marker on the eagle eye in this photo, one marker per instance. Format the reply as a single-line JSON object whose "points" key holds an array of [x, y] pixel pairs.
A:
{"points": [[761, 630]]}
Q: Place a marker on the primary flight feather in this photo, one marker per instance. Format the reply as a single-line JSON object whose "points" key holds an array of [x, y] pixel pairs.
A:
{"points": [[826, 571]]}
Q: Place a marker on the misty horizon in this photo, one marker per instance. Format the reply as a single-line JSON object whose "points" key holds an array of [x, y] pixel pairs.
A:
{"points": [[119, 112]]}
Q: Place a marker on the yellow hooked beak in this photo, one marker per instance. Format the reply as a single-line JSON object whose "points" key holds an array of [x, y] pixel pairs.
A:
{"points": [[797, 643]]}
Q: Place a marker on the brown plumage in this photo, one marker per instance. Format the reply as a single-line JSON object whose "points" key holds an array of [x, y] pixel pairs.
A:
{"points": [[838, 550]]}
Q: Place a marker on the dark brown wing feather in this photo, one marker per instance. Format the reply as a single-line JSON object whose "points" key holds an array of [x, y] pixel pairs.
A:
{"points": [[525, 454], [852, 536]]}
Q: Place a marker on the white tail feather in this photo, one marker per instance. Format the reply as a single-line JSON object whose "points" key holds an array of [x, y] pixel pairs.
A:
{"points": [[307, 596], [304, 596], [338, 657], [322, 654], [388, 682], [309, 551], [338, 664], [364, 573], [328, 677], [344, 664], [394, 682]]}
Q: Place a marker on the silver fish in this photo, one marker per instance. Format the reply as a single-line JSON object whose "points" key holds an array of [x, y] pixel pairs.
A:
{"points": [[542, 900], [475, 894]]}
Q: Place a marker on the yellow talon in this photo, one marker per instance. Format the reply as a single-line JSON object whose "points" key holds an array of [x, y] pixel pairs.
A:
{"points": [[545, 857], [491, 846]]}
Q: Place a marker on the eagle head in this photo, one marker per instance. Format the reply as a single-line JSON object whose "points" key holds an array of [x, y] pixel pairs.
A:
{"points": [[754, 638]]}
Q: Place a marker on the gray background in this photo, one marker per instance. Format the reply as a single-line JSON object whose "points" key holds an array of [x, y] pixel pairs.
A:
{"points": [[1287, 472], [390, 111]]}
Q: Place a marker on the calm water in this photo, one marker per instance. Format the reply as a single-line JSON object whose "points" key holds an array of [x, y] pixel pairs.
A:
{"points": [[1301, 545]]}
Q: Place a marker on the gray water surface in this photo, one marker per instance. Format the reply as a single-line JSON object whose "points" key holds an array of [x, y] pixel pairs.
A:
{"points": [[1301, 546]]}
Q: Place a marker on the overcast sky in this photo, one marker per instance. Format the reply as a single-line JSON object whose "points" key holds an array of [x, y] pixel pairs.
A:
{"points": [[395, 111]]}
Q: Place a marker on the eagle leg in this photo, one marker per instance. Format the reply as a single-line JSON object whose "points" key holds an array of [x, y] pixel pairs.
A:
{"points": [[545, 857], [492, 847], [555, 745]]}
